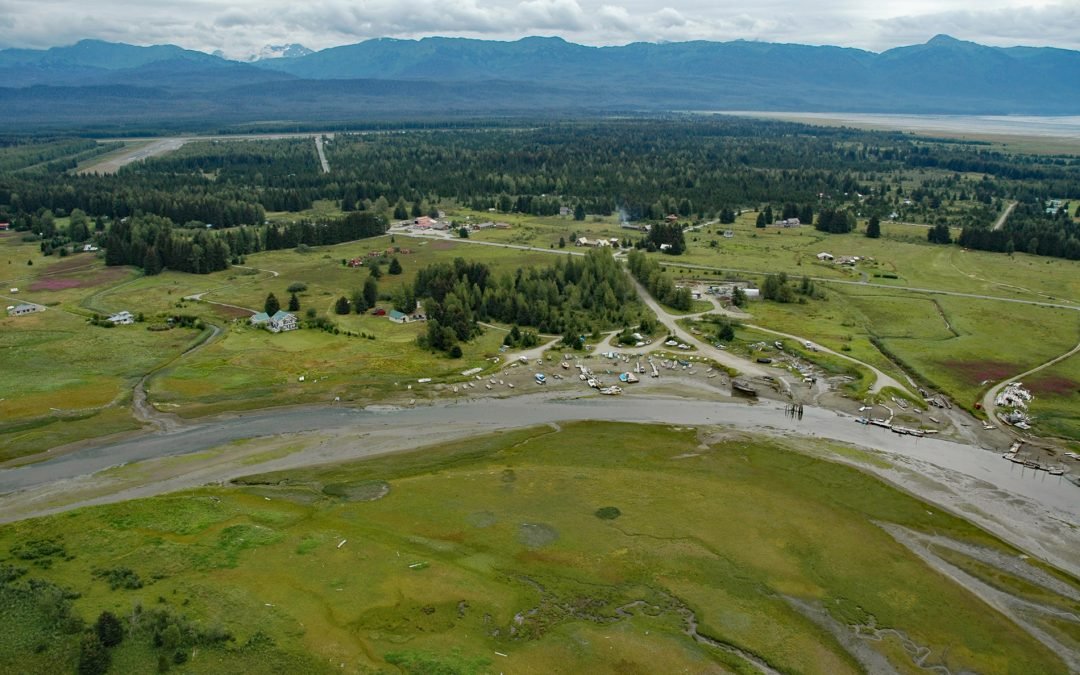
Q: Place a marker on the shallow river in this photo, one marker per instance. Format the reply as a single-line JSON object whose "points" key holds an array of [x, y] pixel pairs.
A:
{"points": [[486, 415]]}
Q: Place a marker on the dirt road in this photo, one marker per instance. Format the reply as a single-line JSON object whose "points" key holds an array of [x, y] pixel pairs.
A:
{"points": [[1000, 222]]}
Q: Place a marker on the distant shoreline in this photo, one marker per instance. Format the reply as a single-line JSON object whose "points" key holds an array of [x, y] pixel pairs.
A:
{"points": [[994, 128]]}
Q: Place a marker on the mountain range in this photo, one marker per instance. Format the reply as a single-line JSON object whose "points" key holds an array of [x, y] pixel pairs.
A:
{"points": [[110, 84]]}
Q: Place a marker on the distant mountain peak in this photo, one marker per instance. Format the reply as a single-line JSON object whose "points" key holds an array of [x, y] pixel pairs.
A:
{"points": [[289, 51], [943, 39]]}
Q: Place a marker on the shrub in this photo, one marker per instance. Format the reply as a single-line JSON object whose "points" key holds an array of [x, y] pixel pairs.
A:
{"points": [[608, 513]]}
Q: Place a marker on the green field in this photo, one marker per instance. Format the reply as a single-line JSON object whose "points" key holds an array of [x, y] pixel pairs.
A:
{"points": [[1057, 399], [587, 549], [251, 368], [64, 379], [902, 251], [70, 380]]}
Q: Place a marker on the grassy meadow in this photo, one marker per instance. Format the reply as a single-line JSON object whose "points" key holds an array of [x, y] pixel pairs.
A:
{"points": [[593, 548], [66, 380]]}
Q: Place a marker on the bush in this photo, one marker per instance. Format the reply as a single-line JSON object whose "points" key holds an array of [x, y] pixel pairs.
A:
{"points": [[109, 629], [93, 657], [120, 577], [297, 287], [455, 352], [607, 513]]}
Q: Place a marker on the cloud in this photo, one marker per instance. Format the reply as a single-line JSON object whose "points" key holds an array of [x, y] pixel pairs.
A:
{"points": [[1037, 26], [242, 27]]}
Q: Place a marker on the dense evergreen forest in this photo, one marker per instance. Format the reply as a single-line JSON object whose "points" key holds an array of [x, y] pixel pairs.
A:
{"points": [[153, 243], [573, 297], [695, 168]]}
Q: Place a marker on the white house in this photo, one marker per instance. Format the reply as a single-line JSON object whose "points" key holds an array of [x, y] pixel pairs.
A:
{"points": [[24, 309], [281, 321], [825, 256], [122, 319]]}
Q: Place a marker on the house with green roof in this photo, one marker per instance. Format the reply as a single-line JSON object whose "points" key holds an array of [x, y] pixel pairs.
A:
{"points": [[280, 322]]}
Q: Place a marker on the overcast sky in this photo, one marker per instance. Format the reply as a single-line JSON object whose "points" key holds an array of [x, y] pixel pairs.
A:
{"points": [[241, 27]]}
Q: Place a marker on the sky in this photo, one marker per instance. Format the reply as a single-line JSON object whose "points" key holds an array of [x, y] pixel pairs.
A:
{"points": [[240, 28]]}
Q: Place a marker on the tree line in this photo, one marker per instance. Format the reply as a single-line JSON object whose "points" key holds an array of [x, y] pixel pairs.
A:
{"points": [[651, 275], [573, 297], [155, 243]]}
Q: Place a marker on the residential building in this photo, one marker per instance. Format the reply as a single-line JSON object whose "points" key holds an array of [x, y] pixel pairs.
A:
{"points": [[24, 309], [280, 322]]}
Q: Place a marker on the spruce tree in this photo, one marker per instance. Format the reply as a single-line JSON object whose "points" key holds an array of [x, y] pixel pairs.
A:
{"points": [[873, 227], [271, 306]]}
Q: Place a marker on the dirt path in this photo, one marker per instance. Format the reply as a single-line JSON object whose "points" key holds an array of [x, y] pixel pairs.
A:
{"points": [[141, 407], [1000, 222], [705, 349], [989, 400], [881, 380]]}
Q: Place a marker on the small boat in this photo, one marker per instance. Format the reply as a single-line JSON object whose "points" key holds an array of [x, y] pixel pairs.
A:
{"points": [[742, 387], [565, 365], [1059, 471], [541, 378]]}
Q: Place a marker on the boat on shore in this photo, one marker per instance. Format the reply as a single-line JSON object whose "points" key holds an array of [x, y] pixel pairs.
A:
{"points": [[743, 387]]}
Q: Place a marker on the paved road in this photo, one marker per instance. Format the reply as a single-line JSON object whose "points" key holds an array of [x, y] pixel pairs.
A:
{"points": [[322, 155]]}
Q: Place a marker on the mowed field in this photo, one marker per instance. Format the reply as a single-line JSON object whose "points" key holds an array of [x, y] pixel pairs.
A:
{"points": [[593, 548]]}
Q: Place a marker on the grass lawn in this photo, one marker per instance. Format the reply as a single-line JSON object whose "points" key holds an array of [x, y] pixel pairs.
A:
{"points": [[580, 550]]}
